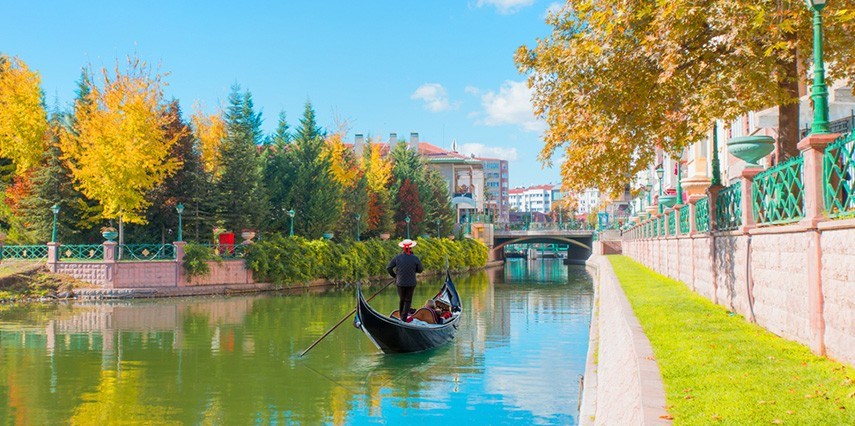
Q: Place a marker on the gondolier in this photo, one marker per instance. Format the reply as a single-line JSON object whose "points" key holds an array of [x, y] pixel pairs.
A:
{"points": [[404, 268]]}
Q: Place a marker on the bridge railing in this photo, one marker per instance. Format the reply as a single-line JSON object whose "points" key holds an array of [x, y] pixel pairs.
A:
{"points": [[542, 226]]}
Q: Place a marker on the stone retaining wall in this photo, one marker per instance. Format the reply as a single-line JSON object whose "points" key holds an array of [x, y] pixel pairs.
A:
{"points": [[767, 275]]}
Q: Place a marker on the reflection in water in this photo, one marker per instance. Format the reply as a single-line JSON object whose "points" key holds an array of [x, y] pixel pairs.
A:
{"points": [[517, 357]]}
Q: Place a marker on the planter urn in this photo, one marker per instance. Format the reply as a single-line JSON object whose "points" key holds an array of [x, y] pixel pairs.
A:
{"points": [[751, 149], [110, 235]]}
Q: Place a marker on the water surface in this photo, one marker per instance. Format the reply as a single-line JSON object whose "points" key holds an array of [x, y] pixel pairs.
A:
{"points": [[517, 358]]}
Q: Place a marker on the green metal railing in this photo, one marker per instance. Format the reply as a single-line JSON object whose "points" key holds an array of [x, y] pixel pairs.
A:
{"points": [[684, 219], [777, 194], [672, 223], [662, 226], [838, 177], [655, 227], [147, 252], [31, 252], [81, 252], [728, 208], [702, 215]]}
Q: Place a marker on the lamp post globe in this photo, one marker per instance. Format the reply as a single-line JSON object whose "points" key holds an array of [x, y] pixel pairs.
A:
{"points": [[55, 209], [291, 214], [180, 209], [437, 229], [819, 90], [407, 219]]}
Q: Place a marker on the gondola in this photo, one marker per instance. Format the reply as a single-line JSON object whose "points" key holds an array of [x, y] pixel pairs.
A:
{"points": [[391, 335]]}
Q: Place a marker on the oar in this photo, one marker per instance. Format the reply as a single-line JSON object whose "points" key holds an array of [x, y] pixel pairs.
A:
{"points": [[343, 319]]}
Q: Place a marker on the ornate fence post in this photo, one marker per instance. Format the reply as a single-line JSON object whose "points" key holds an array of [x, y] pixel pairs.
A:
{"points": [[52, 255], [747, 214], [813, 148], [110, 248]]}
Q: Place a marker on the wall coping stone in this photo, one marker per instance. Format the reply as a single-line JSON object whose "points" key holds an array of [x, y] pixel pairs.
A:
{"points": [[780, 229], [836, 224]]}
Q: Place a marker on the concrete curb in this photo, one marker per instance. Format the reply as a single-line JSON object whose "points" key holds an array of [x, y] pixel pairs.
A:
{"points": [[617, 390]]}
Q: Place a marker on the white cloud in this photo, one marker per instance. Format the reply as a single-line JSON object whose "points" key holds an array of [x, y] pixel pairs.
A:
{"points": [[481, 150], [434, 96], [506, 7], [552, 9], [511, 105], [472, 90]]}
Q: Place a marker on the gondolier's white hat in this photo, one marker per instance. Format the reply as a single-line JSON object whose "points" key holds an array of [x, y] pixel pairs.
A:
{"points": [[407, 243]]}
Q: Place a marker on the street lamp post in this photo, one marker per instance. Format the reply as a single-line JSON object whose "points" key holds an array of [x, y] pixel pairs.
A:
{"points": [[291, 215], [55, 210], [716, 167], [180, 209], [358, 216], [437, 229], [819, 91], [649, 188], [660, 173], [407, 219], [679, 179]]}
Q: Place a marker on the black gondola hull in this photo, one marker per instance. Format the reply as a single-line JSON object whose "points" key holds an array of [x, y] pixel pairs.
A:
{"points": [[391, 335]]}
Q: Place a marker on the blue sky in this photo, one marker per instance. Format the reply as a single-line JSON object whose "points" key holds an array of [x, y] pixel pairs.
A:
{"points": [[443, 69]]}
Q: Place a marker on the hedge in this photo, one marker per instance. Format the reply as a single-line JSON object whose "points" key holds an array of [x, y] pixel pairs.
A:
{"points": [[287, 260]]}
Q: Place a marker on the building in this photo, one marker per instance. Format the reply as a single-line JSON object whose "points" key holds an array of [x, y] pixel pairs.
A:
{"points": [[496, 188], [476, 185], [537, 198]]}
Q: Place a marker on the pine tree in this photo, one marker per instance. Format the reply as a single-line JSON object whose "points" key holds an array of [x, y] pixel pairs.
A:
{"points": [[52, 184], [437, 202], [242, 202], [279, 175], [314, 193]]}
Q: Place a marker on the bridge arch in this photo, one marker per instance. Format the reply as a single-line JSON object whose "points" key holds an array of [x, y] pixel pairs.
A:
{"points": [[541, 239]]}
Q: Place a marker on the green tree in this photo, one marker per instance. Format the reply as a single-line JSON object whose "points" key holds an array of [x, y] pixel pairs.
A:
{"points": [[313, 194], [437, 204], [242, 201], [279, 175], [408, 205]]}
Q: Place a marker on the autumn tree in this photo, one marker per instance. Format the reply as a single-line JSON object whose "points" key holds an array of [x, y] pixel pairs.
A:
{"points": [[408, 205], [23, 120], [210, 132], [242, 201], [348, 174], [118, 149], [616, 81], [378, 177]]}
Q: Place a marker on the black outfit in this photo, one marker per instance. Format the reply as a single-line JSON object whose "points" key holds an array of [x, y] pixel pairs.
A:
{"points": [[404, 268]]}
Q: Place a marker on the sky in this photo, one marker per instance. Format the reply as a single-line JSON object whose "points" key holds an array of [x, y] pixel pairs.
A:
{"points": [[441, 68]]}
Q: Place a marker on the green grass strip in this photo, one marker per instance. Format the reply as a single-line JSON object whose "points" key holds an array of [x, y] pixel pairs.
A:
{"points": [[720, 369]]}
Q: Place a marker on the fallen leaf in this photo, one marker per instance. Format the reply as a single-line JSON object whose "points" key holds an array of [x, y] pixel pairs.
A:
{"points": [[666, 417], [791, 412], [777, 422]]}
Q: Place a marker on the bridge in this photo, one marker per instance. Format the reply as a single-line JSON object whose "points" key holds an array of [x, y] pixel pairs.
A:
{"points": [[579, 242]]}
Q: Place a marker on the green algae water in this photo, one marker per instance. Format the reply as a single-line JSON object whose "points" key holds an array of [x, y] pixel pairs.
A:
{"points": [[517, 358]]}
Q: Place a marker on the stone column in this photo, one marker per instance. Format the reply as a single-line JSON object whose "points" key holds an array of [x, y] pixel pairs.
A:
{"points": [[179, 263], [52, 255], [747, 179], [110, 248], [813, 148]]}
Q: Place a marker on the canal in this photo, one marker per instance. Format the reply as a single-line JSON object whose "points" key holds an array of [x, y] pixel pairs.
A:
{"points": [[517, 357]]}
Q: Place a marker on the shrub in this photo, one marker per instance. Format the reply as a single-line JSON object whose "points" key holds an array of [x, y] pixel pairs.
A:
{"points": [[196, 259], [288, 260]]}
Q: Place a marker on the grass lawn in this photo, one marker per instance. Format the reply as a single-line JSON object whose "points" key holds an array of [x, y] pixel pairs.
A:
{"points": [[720, 369]]}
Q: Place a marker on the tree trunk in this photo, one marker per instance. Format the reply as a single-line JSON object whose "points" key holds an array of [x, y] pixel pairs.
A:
{"points": [[788, 115]]}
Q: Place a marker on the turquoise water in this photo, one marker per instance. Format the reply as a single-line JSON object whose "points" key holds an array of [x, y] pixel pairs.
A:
{"points": [[517, 358]]}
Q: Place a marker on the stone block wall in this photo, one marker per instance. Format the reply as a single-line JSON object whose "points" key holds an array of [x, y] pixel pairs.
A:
{"points": [[765, 275], [226, 272], [96, 273], [146, 274]]}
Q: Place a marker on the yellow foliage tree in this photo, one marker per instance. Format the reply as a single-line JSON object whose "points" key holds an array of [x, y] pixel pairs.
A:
{"points": [[378, 169], [118, 149], [343, 165], [210, 131], [23, 121]]}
